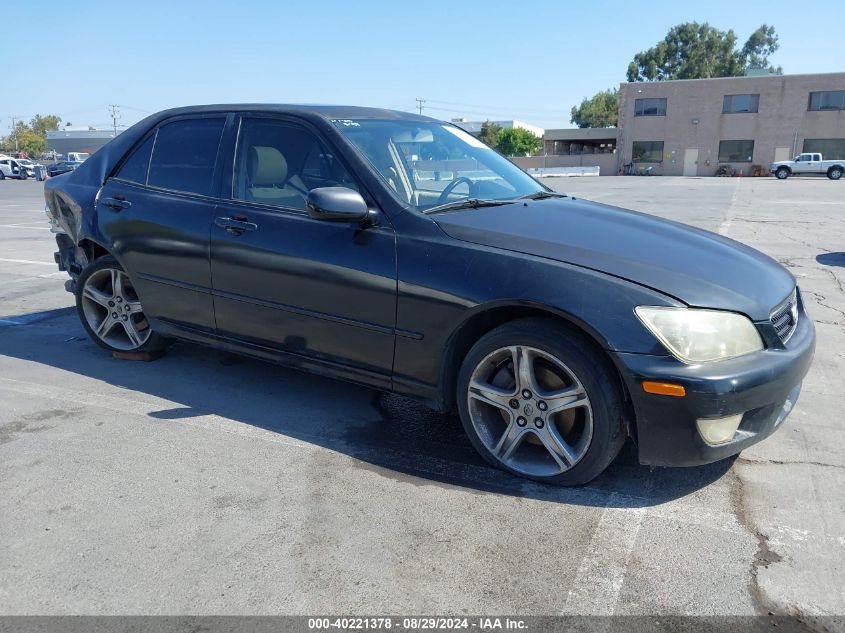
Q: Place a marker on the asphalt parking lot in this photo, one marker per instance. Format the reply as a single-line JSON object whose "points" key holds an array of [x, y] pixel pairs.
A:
{"points": [[205, 483]]}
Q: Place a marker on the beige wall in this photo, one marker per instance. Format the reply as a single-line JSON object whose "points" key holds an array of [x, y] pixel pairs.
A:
{"points": [[782, 119], [607, 162]]}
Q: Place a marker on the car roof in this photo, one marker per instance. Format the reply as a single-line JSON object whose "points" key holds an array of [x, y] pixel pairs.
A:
{"points": [[324, 111], [94, 171]]}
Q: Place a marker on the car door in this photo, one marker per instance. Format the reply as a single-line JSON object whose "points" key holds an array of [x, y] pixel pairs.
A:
{"points": [[313, 288], [156, 213]]}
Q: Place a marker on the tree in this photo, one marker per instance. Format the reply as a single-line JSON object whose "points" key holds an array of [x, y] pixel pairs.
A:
{"points": [[31, 142], [489, 133], [699, 51], [31, 138], [515, 141], [600, 110], [762, 43], [43, 124]]}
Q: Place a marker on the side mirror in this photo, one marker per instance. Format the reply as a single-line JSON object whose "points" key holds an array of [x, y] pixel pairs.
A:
{"points": [[336, 204]]}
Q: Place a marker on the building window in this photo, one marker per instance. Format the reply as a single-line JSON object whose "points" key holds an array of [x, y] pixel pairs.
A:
{"points": [[647, 152], [736, 151], [829, 148], [734, 104], [827, 100], [650, 107]]}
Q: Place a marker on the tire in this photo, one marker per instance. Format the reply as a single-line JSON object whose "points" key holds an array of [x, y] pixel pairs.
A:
{"points": [[782, 173], [834, 173], [22, 174], [520, 432], [110, 310], [2, 176]]}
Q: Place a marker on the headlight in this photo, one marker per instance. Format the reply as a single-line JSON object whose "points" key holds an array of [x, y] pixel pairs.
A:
{"points": [[700, 336]]}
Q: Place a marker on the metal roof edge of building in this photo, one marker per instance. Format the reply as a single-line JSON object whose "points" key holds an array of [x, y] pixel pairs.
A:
{"points": [[754, 77]]}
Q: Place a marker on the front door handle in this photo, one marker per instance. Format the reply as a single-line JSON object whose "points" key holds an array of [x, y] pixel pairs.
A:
{"points": [[235, 227], [116, 204]]}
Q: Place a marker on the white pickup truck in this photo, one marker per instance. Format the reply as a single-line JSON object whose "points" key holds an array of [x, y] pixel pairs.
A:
{"points": [[808, 163]]}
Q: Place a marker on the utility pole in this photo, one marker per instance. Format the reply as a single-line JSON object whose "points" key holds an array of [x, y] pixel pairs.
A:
{"points": [[115, 115], [420, 103], [15, 131]]}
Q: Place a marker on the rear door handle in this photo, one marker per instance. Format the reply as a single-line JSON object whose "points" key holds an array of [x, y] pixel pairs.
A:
{"points": [[116, 204], [235, 227]]}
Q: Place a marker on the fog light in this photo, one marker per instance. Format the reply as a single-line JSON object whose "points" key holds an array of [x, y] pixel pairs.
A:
{"points": [[717, 431]]}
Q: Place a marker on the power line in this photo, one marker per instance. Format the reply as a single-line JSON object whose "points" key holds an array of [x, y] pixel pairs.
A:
{"points": [[476, 106], [15, 130], [420, 103], [115, 115]]}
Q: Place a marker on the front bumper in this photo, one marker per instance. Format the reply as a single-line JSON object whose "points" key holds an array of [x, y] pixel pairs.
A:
{"points": [[762, 386]]}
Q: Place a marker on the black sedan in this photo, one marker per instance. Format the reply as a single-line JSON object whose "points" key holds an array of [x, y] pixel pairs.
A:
{"points": [[63, 167], [400, 252]]}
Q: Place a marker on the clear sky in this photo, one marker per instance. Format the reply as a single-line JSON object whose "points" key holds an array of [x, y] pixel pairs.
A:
{"points": [[479, 59]]}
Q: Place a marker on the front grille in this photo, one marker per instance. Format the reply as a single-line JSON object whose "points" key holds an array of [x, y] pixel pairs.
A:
{"points": [[785, 317]]}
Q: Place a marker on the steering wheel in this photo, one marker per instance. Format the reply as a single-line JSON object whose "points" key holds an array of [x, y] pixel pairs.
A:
{"points": [[444, 195]]}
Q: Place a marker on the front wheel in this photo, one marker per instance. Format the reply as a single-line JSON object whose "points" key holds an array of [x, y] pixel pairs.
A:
{"points": [[110, 310], [22, 174], [834, 173], [782, 173], [539, 401]]}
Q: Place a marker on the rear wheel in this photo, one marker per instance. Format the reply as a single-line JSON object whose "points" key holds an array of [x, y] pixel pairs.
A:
{"points": [[110, 310], [782, 173], [834, 173], [2, 176], [539, 401]]}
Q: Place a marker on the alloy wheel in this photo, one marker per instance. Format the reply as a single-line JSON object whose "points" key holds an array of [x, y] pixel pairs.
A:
{"points": [[530, 411], [113, 311]]}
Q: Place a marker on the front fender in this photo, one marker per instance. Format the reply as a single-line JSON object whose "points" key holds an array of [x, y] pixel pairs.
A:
{"points": [[445, 287]]}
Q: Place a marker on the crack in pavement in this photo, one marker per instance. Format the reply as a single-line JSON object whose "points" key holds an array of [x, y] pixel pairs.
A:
{"points": [[764, 556], [820, 299], [835, 278], [780, 462]]}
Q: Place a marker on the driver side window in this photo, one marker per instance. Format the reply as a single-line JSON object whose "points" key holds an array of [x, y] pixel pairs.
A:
{"points": [[278, 163]]}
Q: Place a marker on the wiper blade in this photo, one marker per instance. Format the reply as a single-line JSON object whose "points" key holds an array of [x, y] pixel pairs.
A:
{"points": [[467, 203], [539, 195]]}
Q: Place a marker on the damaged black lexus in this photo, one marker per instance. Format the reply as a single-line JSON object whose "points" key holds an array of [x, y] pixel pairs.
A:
{"points": [[401, 253]]}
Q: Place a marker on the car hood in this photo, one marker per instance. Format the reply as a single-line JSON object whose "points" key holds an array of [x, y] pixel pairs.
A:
{"points": [[697, 267]]}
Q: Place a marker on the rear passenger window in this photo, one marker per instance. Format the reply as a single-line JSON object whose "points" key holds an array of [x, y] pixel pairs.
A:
{"points": [[184, 155], [135, 168]]}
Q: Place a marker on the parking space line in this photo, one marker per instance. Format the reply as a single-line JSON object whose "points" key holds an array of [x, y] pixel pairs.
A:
{"points": [[124, 405], [598, 582], [26, 261], [725, 226], [33, 227]]}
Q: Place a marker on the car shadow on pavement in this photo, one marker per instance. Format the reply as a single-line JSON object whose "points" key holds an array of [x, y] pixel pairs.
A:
{"points": [[393, 436], [831, 259]]}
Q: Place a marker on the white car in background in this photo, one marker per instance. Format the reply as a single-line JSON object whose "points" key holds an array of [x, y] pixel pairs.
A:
{"points": [[808, 163], [28, 165], [14, 168]]}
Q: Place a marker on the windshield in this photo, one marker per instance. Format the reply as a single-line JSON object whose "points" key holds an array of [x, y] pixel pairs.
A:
{"points": [[429, 164]]}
